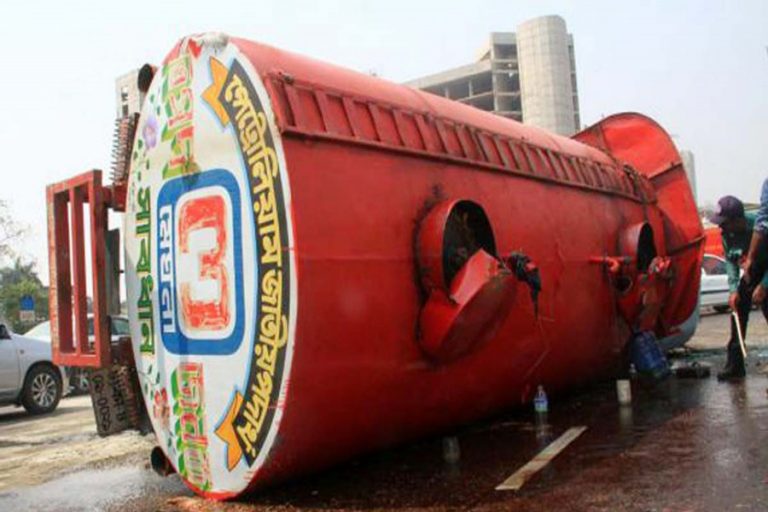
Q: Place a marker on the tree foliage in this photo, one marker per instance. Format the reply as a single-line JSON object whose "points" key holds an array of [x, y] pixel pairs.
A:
{"points": [[20, 279], [17, 282], [10, 232]]}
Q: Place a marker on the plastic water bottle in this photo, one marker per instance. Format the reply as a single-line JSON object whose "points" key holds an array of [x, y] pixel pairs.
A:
{"points": [[540, 403], [451, 450]]}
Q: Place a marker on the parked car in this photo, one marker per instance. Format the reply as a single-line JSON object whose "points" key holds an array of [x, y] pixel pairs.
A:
{"points": [[78, 378], [28, 376], [714, 283]]}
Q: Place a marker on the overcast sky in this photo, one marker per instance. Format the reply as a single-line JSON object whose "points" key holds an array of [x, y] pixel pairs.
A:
{"points": [[698, 67]]}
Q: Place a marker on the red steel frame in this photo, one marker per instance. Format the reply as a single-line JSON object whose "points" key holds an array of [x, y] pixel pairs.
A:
{"points": [[66, 256]]}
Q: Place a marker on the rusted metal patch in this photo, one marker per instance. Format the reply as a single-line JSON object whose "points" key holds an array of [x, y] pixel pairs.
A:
{"points": [[114, 395]]}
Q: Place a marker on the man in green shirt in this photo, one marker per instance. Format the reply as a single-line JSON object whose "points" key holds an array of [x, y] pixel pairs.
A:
{"points": [[737, 229]]}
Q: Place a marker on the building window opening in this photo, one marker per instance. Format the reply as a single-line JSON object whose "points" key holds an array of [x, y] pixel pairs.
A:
{"points": [[505, 51], [482, 84], [458, 90]]}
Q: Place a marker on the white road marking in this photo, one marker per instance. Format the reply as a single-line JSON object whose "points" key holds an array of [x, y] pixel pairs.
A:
{"points": [[519, 477]]}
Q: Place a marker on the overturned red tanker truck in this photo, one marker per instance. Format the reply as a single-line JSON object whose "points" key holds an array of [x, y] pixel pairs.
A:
{"points": [[320, 263]]}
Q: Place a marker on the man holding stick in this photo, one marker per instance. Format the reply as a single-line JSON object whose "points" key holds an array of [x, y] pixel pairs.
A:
{"points": [[740, 245]]}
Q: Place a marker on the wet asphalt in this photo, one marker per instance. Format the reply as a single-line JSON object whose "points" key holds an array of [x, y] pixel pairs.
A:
{"points": [[682, 445]]}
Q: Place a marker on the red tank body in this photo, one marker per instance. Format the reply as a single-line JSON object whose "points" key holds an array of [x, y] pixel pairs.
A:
{"points": [[396, 278], [713, 241]]}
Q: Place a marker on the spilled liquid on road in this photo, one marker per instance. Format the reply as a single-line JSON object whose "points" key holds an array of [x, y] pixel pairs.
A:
{"points": [[683, 444]]}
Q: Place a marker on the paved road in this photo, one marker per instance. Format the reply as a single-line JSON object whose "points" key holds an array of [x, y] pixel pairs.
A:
{"points": [[34, 449], [683, 445], [714, 329]]}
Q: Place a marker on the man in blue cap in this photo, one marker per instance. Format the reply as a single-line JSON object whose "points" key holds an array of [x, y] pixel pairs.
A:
{"points": [[737, 229], [758, 241]]}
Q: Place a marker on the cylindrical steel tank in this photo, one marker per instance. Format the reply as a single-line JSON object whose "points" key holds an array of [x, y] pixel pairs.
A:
{"points": [[322, 263]]}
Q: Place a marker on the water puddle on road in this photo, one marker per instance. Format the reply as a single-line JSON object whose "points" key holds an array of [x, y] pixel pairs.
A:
{"points": [[682, 444], [92, 490]]}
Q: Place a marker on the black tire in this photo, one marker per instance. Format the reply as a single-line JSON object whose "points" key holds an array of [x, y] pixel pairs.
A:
{"points": [[42, 390], [721, 309]]}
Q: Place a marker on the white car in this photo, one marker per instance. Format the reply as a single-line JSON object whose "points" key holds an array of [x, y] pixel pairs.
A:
{"points": [[78, 378], [714, 283], [28, 376]]}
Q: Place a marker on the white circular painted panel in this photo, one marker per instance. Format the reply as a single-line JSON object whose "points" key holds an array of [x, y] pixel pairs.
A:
{"points": [[210, 276]]}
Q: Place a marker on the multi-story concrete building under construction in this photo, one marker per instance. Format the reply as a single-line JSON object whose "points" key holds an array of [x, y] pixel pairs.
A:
{"points": [[528, 76]]}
